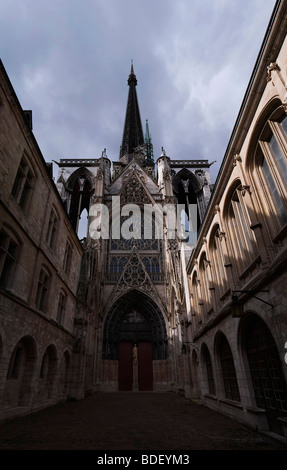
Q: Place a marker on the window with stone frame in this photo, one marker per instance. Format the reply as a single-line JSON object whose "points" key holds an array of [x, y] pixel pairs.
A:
{"points": [[61, 307], [52, 230], [271, 166], [152, 265], [241, 237], [43, 289], [195, 296], [23, 184], [9, 253], [115, 267], [217, 261], [67, 258], [204, 265]]}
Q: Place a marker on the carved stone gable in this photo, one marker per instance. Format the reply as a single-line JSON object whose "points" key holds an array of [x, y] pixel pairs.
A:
{"points": [[134, 276], [133, 190]]}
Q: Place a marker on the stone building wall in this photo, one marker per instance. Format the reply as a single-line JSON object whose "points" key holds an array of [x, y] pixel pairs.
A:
{"points": [[240, 260], [36, 345]]}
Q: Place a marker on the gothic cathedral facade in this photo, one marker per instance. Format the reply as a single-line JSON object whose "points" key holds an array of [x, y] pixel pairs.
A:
{"points": [[131, 286]]}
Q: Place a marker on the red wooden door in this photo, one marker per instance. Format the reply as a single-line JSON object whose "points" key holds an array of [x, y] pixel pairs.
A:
{"points": [[125, 366], [145, 371]]}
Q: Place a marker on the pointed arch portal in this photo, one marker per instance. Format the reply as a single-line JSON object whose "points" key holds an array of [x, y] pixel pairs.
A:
{"points": [[135, 335], [79, 186], [188, 190]]}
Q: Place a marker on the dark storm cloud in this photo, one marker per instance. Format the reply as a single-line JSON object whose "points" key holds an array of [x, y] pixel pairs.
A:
{"points": [[69, 61]]}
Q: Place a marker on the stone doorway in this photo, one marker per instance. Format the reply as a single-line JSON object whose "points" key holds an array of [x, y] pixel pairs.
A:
{"points": [[135, 319]]}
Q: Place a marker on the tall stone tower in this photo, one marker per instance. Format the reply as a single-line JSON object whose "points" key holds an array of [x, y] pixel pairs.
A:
{"points": [[132, 314]]}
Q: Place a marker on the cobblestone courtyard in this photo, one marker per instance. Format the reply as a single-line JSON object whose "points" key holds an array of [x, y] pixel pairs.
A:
{"points": [[131, 421]]}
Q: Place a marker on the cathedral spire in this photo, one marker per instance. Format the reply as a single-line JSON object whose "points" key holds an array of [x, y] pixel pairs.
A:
{"points": [[133, 134]]}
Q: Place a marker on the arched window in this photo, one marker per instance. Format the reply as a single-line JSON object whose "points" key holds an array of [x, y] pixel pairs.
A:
{"points": [[269, 169], [195, 295], [117, 265], [228, 370], [217, 260], [241, 236], [83, 224], [79, 187], [152, 267], [204, 285], [188, 190]]}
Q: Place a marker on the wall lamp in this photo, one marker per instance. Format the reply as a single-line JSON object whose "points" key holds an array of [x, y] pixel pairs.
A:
{"points": [[236, 306]]}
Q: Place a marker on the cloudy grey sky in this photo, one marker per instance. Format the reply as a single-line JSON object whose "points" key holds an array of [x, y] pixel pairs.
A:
{"points": [[69, 60]]}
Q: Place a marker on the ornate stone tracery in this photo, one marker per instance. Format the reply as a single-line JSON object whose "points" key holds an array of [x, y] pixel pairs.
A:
{"points": [[134, 275], [133, 190]]}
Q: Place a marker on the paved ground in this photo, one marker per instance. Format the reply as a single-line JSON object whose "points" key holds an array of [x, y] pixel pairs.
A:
{"points": [[131, 421]]}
